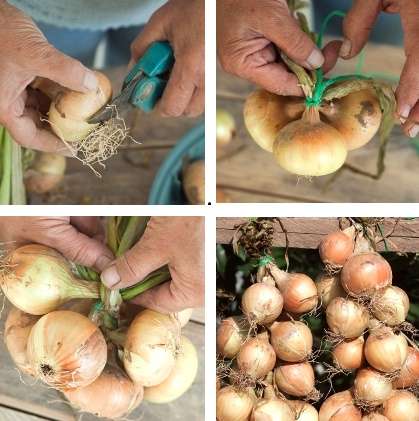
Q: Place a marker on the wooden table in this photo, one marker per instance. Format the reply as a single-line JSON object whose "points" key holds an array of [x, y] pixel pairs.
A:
{"points": [[129, 175], [23, 400], [251, 175]]}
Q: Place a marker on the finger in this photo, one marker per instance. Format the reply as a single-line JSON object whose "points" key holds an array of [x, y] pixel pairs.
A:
{"points": [[286, 34], [357, 26], [409, 13], [411, 126], [135, 264], [179, 90], [197, 104], [78, 247], [407, 92], [64, 70], [89, 225], [331, 55]]}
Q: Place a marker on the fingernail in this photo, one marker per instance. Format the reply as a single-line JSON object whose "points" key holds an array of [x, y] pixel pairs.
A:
{"points": [[345, 48], [413, 132], [315, 59], [404, 112], [110, 276], [90, 81], [402, 120], [102, 262]]}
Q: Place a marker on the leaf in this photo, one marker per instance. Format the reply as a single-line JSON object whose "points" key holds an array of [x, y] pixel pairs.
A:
{"points": [[347, 87], [221, 260], [306, 82]]}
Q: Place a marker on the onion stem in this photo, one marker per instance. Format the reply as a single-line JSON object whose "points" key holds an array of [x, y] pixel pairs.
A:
{"points": [[6, 150], [18, 196]]}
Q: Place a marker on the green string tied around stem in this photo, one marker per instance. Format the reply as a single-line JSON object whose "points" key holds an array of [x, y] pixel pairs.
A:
{"points": [[265, 260]]}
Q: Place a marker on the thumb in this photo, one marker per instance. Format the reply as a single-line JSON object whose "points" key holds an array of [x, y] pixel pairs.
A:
{"points": [[65, 71], [357, 26], [135, 264]]}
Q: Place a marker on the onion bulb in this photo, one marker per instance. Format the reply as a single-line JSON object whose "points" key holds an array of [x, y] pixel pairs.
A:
{"points": [[339, 407], [386, 351], [401, 406], [328, 287], [409, 373], [45, 173], [256, 357], [374, 416], [226, 127], [111, 395], [336, 248], [262, 303], [272, 410], [346, 318], [194, 182], [365, 273], [371, 387], [17, 328], [231, 333], [349, 355], [66, 350], [291, 340], [70, 110], [309, 147], [180, 378], [298, 290], [390, 305], [304, 411], [39, 280], [265, 114], [296, 379], [150, 347], [234, 404]]}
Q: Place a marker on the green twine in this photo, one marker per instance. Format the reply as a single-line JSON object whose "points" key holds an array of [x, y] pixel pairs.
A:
{"points": [[265, 260]]}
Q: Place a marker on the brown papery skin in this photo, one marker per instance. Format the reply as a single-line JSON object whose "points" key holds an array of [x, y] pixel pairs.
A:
{"points": [[272, 410], [349, 355], [365, 273], [304, 411], [390, 305], [371, 387], [328, 287], [230, 337], [233, 404], [401, 406], [409, 374], [296, 379], [194, 182], [336, 248], [339, 407], [111, 395]]}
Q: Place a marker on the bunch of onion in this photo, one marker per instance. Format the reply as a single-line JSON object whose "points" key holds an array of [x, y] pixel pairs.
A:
{"points": [[271, 408], [231, 333], [37, 280], [349, 355], [336, 247], [298, 290], [328, 287], [402, 405], [371, 388], [234, 404], [340, 406], [296, 379]]}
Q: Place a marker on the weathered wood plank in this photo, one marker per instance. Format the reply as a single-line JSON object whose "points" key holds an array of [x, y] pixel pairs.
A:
{"points": [[308, 232], [7, 414]]}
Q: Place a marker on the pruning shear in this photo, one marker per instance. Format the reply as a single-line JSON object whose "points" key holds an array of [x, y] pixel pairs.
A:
{"points": [[145, 83]]}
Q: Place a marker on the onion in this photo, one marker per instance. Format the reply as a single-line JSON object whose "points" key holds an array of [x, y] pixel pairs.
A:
{"points": [[304, 411], [256, 357], [346, 318], [292, 341], [150, 347], [226, 127], [296, 379], [180, 378], [262, 303], [310, 147], [390, 305], [386, 351], [349, 355], [111, 395], [374, 416], [337, 247], [70, 110], [356, 116], [328, 287], [266, 113], [401, 406], [66, 350], [39, 280], [45, 173], [339, 407], [371, 387], [298, 290], [365, 273], [231, 333], [272, 410], [194, 182], [409, 373], [17, 328], [234, 404]]}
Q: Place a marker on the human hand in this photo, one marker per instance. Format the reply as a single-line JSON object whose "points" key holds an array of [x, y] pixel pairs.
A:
{"points": [[356, 28], [26, 54], [249, 35], [181, 23], [74, 237], [175, 241]]}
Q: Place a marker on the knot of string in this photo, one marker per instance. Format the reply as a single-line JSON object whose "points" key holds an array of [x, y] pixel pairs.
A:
{"points": [[265, 260]]}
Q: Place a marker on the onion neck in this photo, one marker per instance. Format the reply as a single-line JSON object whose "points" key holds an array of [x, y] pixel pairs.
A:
{"points": [[269, 393], [83, 289], [311, 114], [280, 276]]}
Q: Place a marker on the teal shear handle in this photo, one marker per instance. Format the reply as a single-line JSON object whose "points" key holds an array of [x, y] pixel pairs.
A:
{"points": [[150, 71]]}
